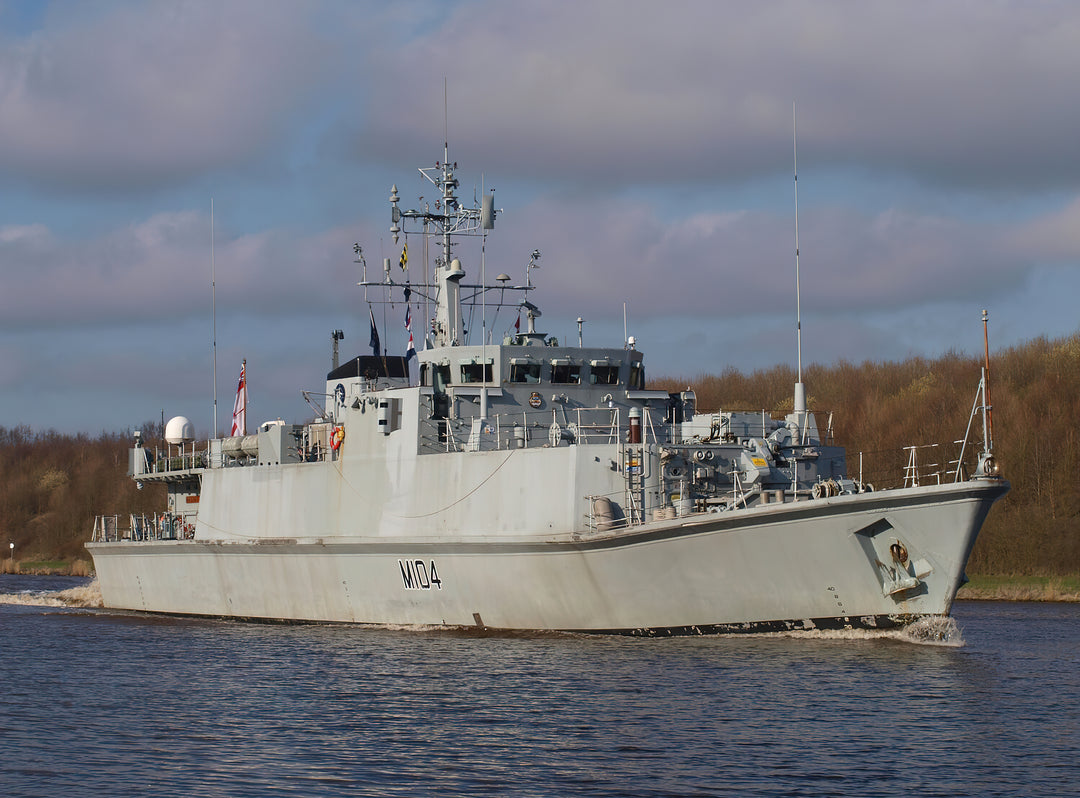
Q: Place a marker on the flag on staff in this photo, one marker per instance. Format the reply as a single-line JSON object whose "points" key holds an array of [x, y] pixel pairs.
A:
{"points": [[411, 351], [374, 334], [239, 412], [403, 261], [517, 324]]}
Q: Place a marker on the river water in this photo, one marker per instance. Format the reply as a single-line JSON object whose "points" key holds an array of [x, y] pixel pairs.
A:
{"points": [[99, 703]]}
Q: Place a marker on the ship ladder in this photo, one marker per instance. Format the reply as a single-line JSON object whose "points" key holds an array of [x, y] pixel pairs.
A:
{"points": [[634, 473]]}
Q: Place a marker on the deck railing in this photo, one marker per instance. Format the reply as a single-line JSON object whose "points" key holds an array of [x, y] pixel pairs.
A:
{"points": [[913, 466], [531, 429], [137, 526]]}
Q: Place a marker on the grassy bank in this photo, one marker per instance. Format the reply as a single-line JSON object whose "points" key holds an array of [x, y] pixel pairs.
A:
{"points": [[47, 567], [1021, 588]]}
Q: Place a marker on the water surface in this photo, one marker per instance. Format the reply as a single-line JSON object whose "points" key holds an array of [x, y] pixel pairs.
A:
{"points": [[99, 703]]}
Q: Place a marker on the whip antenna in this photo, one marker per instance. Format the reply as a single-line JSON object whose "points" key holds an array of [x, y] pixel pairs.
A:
{"points": [[213, 314], [800, 389]]}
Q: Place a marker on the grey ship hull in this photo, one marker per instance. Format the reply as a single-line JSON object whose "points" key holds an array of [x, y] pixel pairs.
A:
{"points": [[797, 565], [532, 485]]}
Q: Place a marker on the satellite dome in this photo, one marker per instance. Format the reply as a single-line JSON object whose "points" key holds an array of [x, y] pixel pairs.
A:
{"points": [[179, 430]]}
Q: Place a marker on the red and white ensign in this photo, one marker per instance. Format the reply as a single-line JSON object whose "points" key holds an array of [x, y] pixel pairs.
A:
{"points": [[239, 413]]}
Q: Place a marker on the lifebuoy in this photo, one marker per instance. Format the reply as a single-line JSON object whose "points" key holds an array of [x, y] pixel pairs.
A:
{"points": [[337, 437]]}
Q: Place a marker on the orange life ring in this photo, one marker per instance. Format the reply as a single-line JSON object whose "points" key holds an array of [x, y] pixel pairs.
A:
{"points": [[337, 437]]}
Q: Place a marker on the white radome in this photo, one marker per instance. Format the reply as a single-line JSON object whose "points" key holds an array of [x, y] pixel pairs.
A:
{"points": [[179, 430]]}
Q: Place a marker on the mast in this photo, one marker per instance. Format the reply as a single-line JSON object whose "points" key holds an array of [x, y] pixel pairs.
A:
{"points": [[989, 414], [449, 218], [483, 316], [450, 281], [213, 323], [800, 389]]}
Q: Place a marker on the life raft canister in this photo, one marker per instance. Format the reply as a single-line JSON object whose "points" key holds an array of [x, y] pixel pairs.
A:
{"points": [[337, 437]]}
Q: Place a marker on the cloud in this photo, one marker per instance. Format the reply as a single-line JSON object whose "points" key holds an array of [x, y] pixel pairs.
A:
{"points": [[743, 263], [159, 270], [130, 96], [1053, 237], [738, 263], [641, 146], [131, 307], [623, 92], [146, 94]]}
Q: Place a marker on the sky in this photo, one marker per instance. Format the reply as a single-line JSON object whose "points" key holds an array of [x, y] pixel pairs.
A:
{"points": [[646, 149]]}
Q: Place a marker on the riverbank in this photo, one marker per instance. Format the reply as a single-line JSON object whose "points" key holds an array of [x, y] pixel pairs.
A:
{"points": [[46, 567], [1021, 588]]}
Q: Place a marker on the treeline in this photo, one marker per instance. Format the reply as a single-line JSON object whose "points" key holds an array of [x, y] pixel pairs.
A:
{"points": [[52, 485], [879, 408]]}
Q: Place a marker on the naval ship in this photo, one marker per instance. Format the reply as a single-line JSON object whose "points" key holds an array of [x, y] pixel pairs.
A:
{"points": [[533, 484]]}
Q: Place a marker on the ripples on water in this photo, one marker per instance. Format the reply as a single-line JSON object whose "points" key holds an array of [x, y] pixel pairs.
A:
{"points": [[98, 703]]}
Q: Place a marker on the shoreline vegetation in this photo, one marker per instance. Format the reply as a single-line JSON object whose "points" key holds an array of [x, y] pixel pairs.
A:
{"points": [[53, 485], [1021, 588], [47, 567]]}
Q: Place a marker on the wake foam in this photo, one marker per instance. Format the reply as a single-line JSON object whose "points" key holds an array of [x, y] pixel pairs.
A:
{"points": [[935, 630], [932, 630], [83, 596]]}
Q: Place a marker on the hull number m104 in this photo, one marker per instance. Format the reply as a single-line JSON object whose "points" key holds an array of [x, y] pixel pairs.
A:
{"points": [[418, 575]]}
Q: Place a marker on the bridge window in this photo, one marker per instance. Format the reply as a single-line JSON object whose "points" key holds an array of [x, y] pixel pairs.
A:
{"points": [[566, 373], [442, 376], [525, 372], [475, 372], [604, 374]]}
